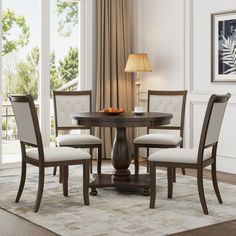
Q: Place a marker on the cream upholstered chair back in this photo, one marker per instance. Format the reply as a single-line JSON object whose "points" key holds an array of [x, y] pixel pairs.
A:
{"points": [[25, 112], [172, 102], [27, 123], [213, 120], [68, 102]]}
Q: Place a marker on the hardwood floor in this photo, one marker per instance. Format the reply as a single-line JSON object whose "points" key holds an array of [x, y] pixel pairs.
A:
{"points": [[11, 225], [227, 228]]}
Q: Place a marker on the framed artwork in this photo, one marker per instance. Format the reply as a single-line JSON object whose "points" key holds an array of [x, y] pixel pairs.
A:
{"points": [[223, 39]]}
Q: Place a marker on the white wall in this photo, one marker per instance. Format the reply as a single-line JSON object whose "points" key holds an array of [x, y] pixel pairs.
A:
{"points": [[161, 35], [176, 35]]}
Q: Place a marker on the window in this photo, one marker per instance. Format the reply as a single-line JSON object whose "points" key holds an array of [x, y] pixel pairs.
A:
{"points": [[23, 48], [20, 65], [64, 64]]}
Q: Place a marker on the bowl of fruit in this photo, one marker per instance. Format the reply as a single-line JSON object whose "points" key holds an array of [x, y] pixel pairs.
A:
{"points": [[113, 111]]}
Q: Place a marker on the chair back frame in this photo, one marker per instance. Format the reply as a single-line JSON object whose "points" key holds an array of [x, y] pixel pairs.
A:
{"points": [[171, 93], [214, 99], [70, 93], [28, 99]]}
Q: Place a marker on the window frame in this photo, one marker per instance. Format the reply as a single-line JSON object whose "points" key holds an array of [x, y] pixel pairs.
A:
{"points": [[86, 64]]}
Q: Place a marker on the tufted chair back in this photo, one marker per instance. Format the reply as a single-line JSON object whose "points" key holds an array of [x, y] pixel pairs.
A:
{"points": [[67, 102], [172, 102]]}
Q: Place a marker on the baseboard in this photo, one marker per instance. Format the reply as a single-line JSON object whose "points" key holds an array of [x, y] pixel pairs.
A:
{"points": [[226, 164]]}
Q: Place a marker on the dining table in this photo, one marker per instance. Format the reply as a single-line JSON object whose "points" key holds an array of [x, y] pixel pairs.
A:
{"points": [[121, 178]]}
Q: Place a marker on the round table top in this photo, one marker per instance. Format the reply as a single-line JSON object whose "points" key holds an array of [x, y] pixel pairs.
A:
{"points": [[127, 119]]}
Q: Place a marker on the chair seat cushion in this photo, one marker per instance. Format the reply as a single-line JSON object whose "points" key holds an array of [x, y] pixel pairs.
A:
{"points": [[179, 155], [59, 154], [77, 139], [162, 139]]}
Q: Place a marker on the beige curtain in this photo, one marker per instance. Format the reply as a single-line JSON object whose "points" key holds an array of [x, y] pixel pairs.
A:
{"points": [[113, 86]]}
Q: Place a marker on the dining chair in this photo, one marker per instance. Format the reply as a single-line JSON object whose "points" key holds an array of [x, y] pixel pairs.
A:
{"points": [[66, 103], [199, 158], [30, 135], [172, 102]]}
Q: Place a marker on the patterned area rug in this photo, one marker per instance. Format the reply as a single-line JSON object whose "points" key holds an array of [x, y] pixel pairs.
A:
{"points": [[115, 213]]}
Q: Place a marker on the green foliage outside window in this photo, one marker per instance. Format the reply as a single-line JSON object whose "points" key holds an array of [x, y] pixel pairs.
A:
{"points": [[68, 67], [23, 76], [9, 21], [69, 12]]}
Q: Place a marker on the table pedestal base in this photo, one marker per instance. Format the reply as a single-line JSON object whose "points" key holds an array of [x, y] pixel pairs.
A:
{"points": [[140, 181]]}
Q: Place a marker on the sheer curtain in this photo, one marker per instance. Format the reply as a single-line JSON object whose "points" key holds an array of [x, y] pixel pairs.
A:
{"points": [[113, 85]]}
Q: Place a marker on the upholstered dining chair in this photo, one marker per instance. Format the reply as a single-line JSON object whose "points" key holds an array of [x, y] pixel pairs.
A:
{"points": [[65, 103], [30, 135], [199, 158], [163, 101]]}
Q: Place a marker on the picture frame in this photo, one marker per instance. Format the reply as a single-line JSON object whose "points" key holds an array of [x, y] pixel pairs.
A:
{"points": [[223, 49]]}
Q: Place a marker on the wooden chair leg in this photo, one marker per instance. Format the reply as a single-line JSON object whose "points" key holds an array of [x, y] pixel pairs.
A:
{"points": [[22, 181], [61, 175], [55, 170], [215, 184], [86, 182], [65, 181], [147, 166], [91, 160], [170, 172], [99, 160], [40, 189], [152, 184], [183, 171], [136, 160], [147, 160], [174, 175], [201, 190]]}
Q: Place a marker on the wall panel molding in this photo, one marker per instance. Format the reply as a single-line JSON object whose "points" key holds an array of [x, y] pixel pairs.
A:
{"points": [[189, 48]]}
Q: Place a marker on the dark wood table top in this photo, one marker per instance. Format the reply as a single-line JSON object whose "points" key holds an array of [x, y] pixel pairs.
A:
{"points": [[127, 119]]}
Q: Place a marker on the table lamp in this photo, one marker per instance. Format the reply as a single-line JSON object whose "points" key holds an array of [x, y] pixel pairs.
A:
{"points": [[138, 63]]}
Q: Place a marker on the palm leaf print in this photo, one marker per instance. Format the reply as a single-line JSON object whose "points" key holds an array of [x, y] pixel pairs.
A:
{"points": [[228, 54]]}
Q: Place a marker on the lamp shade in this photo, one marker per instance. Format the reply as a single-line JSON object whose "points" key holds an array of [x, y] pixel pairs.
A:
{"points": [[138, 63]]}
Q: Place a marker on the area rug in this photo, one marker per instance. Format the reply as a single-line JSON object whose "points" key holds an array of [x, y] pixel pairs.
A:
{"points": [[116, 213]]}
